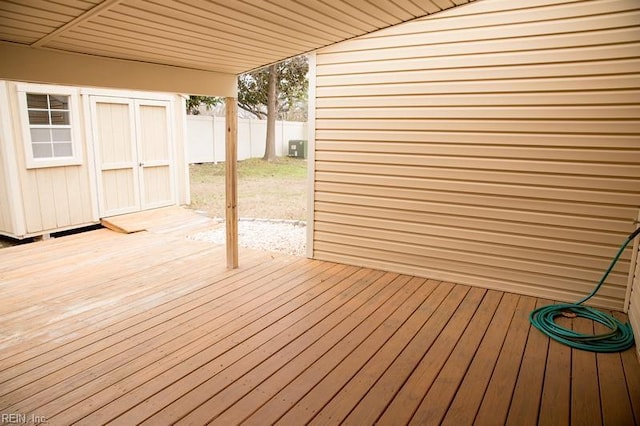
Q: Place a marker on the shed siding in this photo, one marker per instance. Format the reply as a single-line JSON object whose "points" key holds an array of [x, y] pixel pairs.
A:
{"points": [[54, 198], [6, 225], [495, 144], [5, 212]]}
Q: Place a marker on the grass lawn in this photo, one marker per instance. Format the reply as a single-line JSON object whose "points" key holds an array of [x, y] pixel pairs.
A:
{"points": [[276, 190]]}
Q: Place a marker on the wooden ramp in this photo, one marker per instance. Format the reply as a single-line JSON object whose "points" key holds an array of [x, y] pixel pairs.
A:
{"points": [[161, 220]]}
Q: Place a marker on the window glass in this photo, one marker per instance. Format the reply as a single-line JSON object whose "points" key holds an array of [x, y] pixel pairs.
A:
{"points": [[40, 135], [62, 150], [42, 150], [60, 117], [49, 125], [58, 102], [61, 135], [39, 117], [37, 101]]}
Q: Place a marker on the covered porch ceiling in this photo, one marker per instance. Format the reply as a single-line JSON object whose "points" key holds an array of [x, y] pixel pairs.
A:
{"points": [[192, 40]]}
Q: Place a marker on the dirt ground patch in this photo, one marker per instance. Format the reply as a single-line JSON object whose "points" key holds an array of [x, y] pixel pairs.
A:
{"points": [[276, 190]]}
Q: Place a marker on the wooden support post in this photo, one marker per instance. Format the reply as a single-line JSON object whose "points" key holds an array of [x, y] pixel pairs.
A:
{"points": [[231, 181]]}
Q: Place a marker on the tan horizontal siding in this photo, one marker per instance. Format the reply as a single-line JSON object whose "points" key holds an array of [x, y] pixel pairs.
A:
{"points": [[548, 56], [487, 100], [496, 145], [546, 33], [549, 140], [588, 38], [606, 127], [548, 77], [466, 256], [493, 13], [561, 84], [634, 302], [410, 195], [454, 271]]}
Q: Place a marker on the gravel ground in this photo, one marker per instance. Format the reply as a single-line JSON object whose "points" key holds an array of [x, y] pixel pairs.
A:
{"points": [[283, 236]]}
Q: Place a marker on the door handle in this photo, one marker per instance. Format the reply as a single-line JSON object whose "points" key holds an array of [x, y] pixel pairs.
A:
{"points": [[141, 164]]}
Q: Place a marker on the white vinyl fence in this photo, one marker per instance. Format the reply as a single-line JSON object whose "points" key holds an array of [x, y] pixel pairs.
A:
{"points": [[205, 138]]}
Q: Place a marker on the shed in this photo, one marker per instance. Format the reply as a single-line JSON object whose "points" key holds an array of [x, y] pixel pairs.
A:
{"points": [[72, 156]]}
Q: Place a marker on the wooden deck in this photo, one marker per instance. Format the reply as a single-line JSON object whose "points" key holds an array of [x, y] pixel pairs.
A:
{"points": [[151, 328]]}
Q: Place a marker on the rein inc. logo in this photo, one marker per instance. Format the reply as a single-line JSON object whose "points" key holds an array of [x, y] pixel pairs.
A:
{"points": [[21, 419]]}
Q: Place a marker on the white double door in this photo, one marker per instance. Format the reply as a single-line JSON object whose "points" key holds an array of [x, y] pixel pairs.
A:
{"points": [[133, 154]]}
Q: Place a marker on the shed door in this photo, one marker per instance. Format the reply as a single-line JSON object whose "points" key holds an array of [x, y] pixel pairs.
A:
{"points": [[154, 154], [133, 154]]}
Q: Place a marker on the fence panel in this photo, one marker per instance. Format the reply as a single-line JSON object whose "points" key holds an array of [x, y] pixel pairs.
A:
{"points": [[205, 138]]}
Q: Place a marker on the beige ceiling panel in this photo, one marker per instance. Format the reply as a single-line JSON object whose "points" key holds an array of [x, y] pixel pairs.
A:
{"points": [[309, 21], [175, 42], [139, 55], [360, 23], [228, 36], [151, 51], [396, 8], [250, 21], [370, 9], [45, 9], [20, 19], [10, 34], [214, 39]]}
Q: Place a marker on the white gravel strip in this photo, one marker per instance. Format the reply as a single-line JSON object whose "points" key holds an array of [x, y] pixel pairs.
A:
{"points": [[283, 236]]}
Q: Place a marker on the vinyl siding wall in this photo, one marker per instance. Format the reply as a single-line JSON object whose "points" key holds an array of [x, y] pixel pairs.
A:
{"points": [[634, 305], [495, 144]]}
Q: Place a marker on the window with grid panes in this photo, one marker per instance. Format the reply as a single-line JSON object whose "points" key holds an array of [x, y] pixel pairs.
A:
{"points": [[49, 125]]}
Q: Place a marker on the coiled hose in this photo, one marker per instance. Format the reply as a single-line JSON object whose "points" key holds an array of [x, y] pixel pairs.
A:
{"points": [[620, 336]]}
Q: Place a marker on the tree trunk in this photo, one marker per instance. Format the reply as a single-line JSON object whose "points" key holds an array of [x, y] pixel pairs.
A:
{"points": [[270, 148]]}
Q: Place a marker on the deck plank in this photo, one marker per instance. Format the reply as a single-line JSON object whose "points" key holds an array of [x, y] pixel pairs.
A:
{"points": [[204, 365], [495, 404], [585, 396], [345, 385], [151, 327], [354, 328], [525, 402], [469, 395], [434, 405], [555, 407], [342, 361], [280, 346], [185, 353], [113, 350], [394, 374], [616, 406], [409, 396]]}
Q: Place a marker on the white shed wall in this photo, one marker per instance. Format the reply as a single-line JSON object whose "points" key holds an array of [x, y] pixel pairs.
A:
{"points": [[495, 144], [6, 222]]}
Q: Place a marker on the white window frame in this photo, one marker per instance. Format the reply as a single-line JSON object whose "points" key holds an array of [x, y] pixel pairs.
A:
{"points": [[74, 115]]}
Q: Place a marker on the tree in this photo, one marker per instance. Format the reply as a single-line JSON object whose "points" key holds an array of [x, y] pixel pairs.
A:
{"points": [[272, 96], [287, 87], [194, 102], [286, 82]]}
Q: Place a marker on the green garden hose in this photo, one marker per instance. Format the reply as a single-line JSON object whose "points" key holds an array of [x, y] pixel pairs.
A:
{"points": [[620, 336]]}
